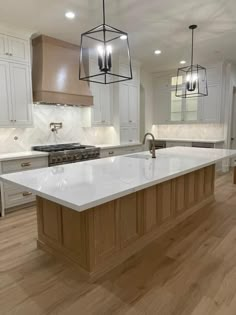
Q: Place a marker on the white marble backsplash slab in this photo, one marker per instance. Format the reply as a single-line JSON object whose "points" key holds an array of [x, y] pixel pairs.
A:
{"points": [[76, 128], [189, 131]]}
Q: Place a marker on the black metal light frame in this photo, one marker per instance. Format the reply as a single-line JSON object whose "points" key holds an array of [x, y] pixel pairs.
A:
{"points": [[104, 29], [201, 73]]}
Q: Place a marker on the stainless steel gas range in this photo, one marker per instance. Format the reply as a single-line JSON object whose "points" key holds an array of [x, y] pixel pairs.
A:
{"points": [[68, 153]]}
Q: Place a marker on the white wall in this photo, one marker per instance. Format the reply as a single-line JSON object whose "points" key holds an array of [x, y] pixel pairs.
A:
{"points": [[74, 119]]}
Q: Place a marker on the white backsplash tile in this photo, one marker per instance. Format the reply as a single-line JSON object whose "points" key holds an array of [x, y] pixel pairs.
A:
{"points": [[190, 131], [76, 128]]}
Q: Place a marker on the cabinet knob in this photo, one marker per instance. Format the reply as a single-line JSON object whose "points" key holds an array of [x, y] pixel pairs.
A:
{"points": [[10, 54], [111, 153], [7, 53]]}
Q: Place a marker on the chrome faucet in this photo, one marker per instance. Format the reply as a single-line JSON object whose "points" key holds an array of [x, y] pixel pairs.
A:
{"points": [[152, 151]]}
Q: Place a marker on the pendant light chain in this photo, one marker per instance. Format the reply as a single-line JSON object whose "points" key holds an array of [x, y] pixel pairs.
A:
{"points": [[104, 12], [192, 48]]}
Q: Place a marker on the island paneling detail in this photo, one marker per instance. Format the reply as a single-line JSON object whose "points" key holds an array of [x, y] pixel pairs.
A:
{"points": [[98, 239]]}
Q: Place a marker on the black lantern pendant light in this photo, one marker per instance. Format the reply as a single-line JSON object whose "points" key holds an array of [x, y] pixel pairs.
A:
{"points": [[191, 80], [100, 52]]}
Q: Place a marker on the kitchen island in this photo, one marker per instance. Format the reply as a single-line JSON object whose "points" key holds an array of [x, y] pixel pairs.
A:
{"points": [[96, 214]]}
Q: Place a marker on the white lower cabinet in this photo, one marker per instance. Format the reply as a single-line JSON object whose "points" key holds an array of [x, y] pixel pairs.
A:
{"points": [[15, 96], [13, 195]]}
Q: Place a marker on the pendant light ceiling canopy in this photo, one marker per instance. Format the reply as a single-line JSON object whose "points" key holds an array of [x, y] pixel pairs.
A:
{"points": [[191, 80], [101, 49]]}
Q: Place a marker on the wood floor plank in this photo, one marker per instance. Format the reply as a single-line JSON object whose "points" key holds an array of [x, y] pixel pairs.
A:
{"points": [[189, 271]]}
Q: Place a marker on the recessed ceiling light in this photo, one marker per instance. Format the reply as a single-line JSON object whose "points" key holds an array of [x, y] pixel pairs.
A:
{"points": [[123, 37], [70, 15], [157, 52], [182, 62]]}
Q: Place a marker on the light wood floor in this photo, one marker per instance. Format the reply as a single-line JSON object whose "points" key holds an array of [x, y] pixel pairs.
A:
{"points": [[191, 270]]}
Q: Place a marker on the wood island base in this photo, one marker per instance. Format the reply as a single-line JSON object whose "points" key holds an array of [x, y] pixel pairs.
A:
{"points": [[98, 239]]}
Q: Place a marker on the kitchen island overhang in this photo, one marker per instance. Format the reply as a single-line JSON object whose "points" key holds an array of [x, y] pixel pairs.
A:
{"points": [[97, 214]]}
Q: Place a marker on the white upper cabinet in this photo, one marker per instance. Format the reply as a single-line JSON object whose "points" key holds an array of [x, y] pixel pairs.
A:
{"points": [[128, 135], [18, 49], [15, 96], [103, 103], [210, 112], [129, 105], [14, 49], [15, 82], [162, 99], [3, 46], [6, 117], [21, 94]]}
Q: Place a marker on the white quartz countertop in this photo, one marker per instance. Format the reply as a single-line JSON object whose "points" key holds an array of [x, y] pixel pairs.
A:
{"points": [[83, 185], [191, 140], [21, 155]]}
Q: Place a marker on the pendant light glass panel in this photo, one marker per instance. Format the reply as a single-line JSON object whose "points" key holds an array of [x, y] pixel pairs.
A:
{"points": [[101, 49]]}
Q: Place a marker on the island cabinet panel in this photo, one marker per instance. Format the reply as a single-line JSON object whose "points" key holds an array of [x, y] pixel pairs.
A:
{"points": [[190, 190], [150, 209], [74, 230], [165, 201], [105, 231], [200, 192], [209, 180], [50, 213], [179, 194], [129, 208]]}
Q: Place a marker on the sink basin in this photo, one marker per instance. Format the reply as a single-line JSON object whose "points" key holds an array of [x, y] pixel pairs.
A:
{"points": [[139, 156]]}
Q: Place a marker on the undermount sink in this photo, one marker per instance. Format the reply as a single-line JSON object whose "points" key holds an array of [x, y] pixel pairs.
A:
{"points": [[139, 156]]}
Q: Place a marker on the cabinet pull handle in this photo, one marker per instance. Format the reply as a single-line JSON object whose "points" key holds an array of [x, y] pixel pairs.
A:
{"points": [[25, 164], [112, 152], [26, 193]]}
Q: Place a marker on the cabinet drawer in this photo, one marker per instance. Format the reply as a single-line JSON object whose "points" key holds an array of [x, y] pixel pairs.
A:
{"points": [[15, 196], [23, 164]]}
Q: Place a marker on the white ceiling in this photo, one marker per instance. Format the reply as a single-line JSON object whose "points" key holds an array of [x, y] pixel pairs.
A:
{"points": [[151, 24]]}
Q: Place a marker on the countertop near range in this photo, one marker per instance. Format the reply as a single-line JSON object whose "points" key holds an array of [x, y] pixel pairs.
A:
{"points": [[21, 155], [113, 146], [191, 140], [81, 186]]}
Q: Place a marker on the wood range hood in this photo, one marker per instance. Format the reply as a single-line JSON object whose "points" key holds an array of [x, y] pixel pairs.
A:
{"points": [[55, 73]]}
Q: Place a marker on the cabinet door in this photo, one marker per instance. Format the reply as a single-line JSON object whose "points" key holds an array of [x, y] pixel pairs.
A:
{"points": [[162, 102], [18, 49], [128, 135], [5, 95], [133, 134], [124, 104], [211, 105], [96, 110], [106, 103], [133, 105], [3, 46], [21, 94]]}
